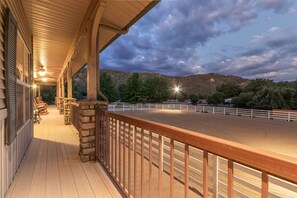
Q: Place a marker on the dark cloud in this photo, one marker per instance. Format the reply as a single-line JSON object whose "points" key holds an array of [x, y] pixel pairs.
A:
{"points": [[275, 57], [168, 42]]}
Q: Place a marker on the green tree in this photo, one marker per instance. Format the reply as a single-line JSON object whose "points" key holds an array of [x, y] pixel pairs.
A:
{"points": [[257, 85], [121, 92], [48, 94], [155, 89], [216, 98], [269, 98], [244, 100], [229, 90], [194, 99], [134, 89], [107, 87]]}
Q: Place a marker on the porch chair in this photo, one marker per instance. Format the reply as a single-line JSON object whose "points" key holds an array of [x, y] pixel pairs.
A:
{"points": [[42, 107]]}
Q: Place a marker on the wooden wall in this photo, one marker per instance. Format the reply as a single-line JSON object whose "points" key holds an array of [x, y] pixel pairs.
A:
{"points": [[12, 155]]}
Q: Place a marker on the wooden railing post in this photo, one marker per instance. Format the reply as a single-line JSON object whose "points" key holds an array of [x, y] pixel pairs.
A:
{"points": [[268, 115], [215, 176]]}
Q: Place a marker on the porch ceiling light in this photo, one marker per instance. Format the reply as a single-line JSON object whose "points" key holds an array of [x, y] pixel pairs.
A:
{"points": [[42, 72], [44, 79], [34, 86]]}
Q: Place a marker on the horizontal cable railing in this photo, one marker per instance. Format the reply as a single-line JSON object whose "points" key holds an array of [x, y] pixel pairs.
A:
{"points": [[254, 113], [148, 159]]}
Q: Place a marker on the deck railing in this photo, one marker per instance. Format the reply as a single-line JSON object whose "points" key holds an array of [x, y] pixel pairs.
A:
{"points": [[74, 115], [254, 113], [148, 159]]}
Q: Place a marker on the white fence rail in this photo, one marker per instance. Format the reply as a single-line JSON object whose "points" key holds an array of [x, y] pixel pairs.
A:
{"points": [[254, 113]]}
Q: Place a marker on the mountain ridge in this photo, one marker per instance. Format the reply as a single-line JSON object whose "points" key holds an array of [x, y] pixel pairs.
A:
{"points": [[202, 84]]}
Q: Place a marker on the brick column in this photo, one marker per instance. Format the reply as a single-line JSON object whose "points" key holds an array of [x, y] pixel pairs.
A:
{"points": [[87, 132]]}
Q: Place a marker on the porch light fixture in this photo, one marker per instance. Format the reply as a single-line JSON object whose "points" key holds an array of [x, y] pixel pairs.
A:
{"points": [[34, 86], [44, 79], [42, 72], [35, 75]]}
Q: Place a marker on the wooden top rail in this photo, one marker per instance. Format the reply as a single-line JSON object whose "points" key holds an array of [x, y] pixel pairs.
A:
{"points": [[278, 165], [74, 104]]}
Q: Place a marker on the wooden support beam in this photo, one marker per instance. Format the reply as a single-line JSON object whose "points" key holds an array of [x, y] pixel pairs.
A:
{"points": [[93, 60], [69, 81], [92, 78], [62, 86]]}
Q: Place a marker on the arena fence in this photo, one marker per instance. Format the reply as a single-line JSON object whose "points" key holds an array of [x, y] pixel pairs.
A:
{"points": [[253, 113]]}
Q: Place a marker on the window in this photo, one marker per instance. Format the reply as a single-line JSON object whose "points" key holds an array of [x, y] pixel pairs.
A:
{"points": [[23, 87]]}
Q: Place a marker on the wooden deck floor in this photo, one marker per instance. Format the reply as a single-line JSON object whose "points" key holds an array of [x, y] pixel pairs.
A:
{"points": [[51, 167]]}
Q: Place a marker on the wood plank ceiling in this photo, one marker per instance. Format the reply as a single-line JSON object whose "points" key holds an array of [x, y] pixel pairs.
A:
{"points": [[55, 23]]}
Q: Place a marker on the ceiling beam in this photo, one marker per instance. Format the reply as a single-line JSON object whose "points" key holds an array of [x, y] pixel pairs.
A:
{"points": [[114, 29]]}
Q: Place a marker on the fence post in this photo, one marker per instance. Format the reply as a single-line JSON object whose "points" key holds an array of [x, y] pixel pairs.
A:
{"points": [[195, 108], [141, 106], [224, 110], [203, 109], [114, 108], [174, 106], [289, 116], [236, 111], [251, 113], [187, 107], [162, 106], [180, 107], [149, 106], [268, 117], [213, 110]]}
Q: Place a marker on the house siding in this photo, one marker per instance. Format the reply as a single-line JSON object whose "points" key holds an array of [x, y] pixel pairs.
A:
{"points": [[11, 155]]}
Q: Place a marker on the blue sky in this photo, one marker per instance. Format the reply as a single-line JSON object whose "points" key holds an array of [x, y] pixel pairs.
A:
{"points": [[247, 38]]}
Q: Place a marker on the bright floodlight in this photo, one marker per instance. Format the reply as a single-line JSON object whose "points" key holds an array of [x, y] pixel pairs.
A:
{"points": [[176, 89]]}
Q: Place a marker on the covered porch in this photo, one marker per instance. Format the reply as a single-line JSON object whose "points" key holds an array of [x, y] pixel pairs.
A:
{"points": [[52, 168]]}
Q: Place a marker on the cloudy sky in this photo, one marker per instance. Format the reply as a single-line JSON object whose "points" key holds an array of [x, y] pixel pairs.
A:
{"points": [[247, 38]]}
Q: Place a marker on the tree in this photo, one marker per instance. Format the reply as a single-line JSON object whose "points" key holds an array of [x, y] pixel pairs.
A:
{"points": [[258, 84], [229, 90], [268, 98], [107, 87], [48, 94], [121, 92], [194, 99], [155, 89], [134, 89], [216, 98], [244, 100]]}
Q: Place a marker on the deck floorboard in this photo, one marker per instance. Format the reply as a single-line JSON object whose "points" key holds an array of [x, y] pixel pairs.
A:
{"points": [[52, 168]]}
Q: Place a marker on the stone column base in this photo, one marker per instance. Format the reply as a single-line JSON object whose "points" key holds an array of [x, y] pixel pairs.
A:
{"points": [[87, 131]]}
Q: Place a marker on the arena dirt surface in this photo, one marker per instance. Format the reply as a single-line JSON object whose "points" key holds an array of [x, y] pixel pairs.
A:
{"points": [[273, 135]]}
